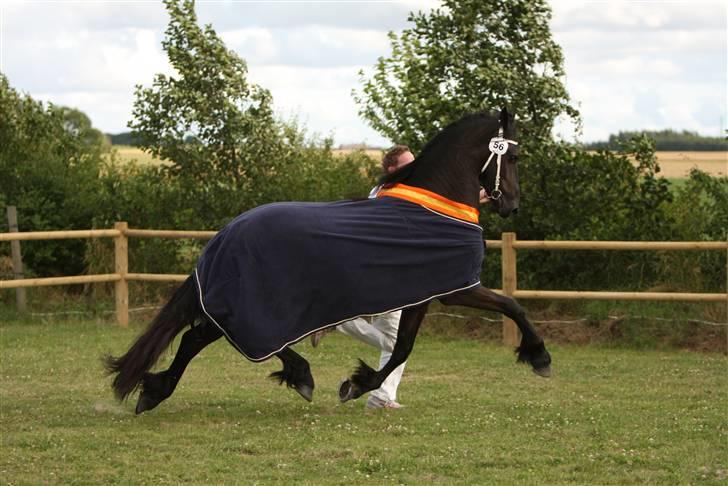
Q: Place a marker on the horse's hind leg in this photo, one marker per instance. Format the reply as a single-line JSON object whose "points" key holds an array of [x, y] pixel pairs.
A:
{"points": [[156, 387], [296, 373]]}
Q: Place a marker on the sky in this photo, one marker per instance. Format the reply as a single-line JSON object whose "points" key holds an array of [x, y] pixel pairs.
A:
{"points": [[630, 65]]}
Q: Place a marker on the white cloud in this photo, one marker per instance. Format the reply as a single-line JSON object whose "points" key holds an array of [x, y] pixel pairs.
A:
{"points": [[609, 106], [644, 65], [255, 44], [374, 15], [585, 44], [637, 16], [321, 46], [109, 111], [31, 17], [117, 66], [633, 66], [629, 65], [65, 57], [320, 98]]}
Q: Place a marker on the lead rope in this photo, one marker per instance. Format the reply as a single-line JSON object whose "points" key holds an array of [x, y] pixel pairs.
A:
{"points": [[497, 146]]}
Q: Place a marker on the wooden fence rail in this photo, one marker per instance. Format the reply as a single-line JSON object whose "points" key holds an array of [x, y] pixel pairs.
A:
{"points": [[508, 246]]}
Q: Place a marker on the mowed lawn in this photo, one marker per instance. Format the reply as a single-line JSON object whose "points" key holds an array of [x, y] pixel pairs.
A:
{"points": [[472, 416]]}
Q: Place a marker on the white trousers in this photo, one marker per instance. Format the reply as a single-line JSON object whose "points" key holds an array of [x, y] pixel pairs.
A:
{"points": [[382, 334]]}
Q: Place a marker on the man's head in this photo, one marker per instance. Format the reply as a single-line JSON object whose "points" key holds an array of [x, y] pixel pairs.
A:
{"points": [[396, 158]]}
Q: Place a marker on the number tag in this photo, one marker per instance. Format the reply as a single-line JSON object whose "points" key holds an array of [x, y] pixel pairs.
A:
{"points": [[498, 146]]}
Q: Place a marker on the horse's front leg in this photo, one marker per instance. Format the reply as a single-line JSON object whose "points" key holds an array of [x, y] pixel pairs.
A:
{"points": [[365, 378], [532, 349]]}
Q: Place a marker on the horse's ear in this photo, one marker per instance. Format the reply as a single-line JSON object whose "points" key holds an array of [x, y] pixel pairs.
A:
{"points": [[504, 118]]}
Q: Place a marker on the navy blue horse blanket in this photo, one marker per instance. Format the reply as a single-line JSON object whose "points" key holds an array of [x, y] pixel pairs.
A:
{"points": [[282, 271]]}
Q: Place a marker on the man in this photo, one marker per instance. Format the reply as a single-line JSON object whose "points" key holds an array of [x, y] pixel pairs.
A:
{"points": [[381, 332]]}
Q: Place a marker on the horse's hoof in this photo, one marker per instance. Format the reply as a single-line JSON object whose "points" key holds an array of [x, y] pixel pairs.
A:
{"points": [[348, 391], [145, 403], [545, 372], [305, 391]]}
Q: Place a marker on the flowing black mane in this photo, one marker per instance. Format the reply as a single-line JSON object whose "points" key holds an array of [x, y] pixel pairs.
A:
{"points": [[439, 148]]}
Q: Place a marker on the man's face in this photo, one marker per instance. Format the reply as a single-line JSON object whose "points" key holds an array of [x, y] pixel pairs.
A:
{"points": [[403, 159]]}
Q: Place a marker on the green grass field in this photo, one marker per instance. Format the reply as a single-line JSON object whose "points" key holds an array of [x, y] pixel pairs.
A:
{"points": [[472, 416]]}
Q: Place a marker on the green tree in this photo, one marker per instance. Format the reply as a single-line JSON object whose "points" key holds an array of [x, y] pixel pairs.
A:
{"points": [[469, 56], [700, 211], [473, 55], [50, 172], [79, 124], [227, 151], [207, 120], [568, 193], [124, 138]]}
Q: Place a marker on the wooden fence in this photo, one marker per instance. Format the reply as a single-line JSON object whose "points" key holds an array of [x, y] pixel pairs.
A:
{"points": [[508, 246]]}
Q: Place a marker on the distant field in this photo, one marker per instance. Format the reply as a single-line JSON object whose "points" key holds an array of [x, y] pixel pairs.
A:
{"points": [[373, 153], [126, 153], [674, 165], [678, 164]]}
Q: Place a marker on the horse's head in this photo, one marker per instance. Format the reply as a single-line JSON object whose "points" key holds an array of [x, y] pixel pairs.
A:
{"points": [[499, 173], [454, 164]]}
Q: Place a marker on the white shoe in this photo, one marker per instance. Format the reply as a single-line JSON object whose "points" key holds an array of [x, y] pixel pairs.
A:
{"points": [[374, 402]]}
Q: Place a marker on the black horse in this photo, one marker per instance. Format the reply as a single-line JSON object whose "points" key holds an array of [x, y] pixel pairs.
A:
{"points": [[263, 288]]}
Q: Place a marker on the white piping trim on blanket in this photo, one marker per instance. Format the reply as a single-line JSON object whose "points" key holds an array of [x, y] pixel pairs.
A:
{"points": [[454, 219], [258, 360], [202, 305]]}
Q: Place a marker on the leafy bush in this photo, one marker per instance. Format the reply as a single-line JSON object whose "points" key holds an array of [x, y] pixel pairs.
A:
{"points": [[468, 56], [699, 213], [228, 154], [571, 194], [49, 170], [150, 197], [505, 54]]}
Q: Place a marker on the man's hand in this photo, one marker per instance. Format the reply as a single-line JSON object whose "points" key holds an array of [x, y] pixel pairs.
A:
{"points": [[484, 199]]}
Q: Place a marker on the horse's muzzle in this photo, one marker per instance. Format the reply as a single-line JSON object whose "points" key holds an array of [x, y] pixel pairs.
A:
{"points": [[505, 211]]}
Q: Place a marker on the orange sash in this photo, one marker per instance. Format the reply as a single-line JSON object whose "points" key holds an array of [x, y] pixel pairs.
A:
{"points": [[433, 201]]}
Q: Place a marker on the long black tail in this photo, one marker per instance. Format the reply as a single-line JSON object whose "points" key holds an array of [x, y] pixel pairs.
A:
{"points": [[181, 311]]}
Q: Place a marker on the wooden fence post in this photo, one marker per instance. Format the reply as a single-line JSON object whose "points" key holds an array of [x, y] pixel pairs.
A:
{"points": [[21, 300], [511, 334], [121, 287]]}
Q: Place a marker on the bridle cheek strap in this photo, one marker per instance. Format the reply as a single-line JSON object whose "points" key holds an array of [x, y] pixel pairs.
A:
{"points": [[498, 146]]}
